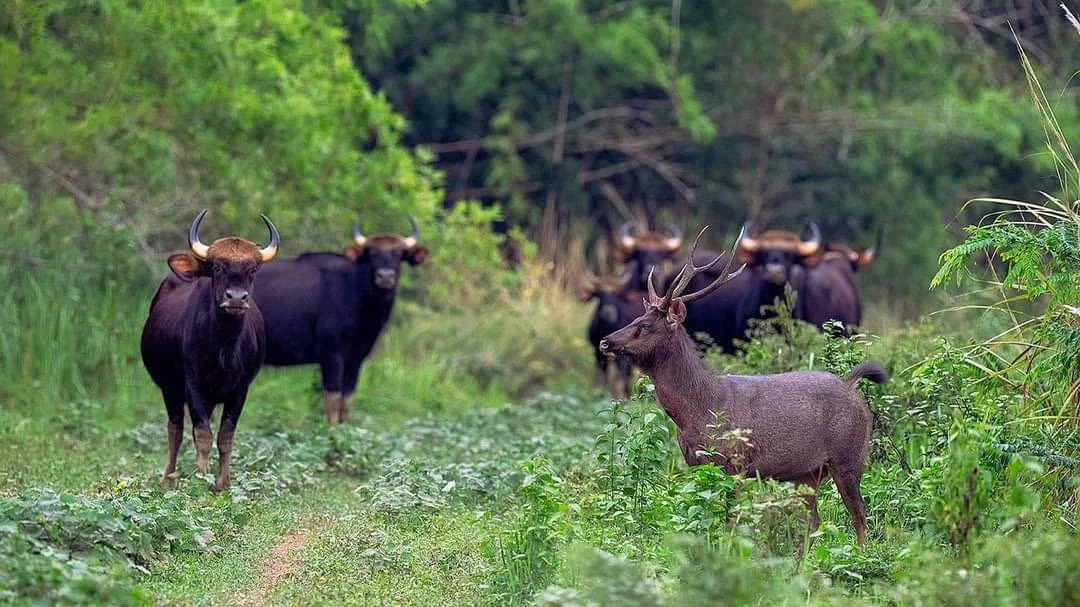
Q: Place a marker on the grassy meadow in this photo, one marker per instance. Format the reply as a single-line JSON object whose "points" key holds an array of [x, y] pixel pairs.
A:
{"points": [[463, 479], [482, 466]]}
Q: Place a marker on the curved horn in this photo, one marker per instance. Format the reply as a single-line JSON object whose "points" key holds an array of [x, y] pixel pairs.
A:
{"points": [[357, 234], [674, 238], [626, 235], [867, 256], [200, 250], [745, 242], [687, 273], [413, 238], [270, 251], [812, 246]]}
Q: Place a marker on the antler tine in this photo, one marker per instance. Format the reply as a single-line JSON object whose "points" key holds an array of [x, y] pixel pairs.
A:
{"points": [[686, 274], [652, 289], [671, 290], [724, 276]]}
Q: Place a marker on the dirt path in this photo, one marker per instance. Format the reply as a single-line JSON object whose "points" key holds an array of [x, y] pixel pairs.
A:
{"points": [[283, 561]]}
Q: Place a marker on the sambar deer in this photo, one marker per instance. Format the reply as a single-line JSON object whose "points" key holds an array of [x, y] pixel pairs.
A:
{"points": [[803, 425]]}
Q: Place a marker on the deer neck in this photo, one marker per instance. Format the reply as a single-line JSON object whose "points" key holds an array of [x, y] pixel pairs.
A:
{"points": [[686, 387]]}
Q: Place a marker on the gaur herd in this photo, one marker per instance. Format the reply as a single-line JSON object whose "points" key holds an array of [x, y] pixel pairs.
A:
{"points": [[221, 315]]}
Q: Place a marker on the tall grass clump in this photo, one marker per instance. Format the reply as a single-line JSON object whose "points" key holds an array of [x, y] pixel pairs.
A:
{"points": [[1032, 253]]}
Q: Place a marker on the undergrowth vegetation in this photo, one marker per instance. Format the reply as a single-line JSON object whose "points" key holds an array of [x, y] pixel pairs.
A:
{"points": [[565, 499], [570, 500]]}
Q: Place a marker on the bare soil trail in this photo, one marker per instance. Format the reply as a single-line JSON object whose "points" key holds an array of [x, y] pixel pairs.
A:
{"points": [[284, 560]]}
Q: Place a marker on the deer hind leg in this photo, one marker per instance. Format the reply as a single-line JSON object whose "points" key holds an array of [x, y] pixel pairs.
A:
{"points": [[811, 482], [847, 483]]}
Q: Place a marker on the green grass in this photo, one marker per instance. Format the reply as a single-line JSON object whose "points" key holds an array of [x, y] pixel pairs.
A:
{"points": [[441, 493]]}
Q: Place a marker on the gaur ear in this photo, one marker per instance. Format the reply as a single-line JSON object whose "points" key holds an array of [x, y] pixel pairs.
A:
{"points": [[677, 311], [621, 254], [585, 293], [745, 256], [355, 252], [186, 267], [416, 255]]}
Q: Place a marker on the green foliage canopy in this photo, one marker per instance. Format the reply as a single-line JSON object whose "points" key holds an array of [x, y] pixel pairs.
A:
{"points": [[143, 112]]}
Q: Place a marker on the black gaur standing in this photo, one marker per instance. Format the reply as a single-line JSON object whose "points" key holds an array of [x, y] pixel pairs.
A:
{"points": [[644, 250], [204, 341], [773, 260], [329, 309], [617, 304], [830, 292]]}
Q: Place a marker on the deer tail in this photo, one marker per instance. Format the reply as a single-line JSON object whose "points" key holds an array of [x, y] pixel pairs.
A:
{"points": [[868, 370]]}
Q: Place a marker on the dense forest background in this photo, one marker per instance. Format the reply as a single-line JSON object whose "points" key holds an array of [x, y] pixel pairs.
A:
{"points": [[563, 118]]}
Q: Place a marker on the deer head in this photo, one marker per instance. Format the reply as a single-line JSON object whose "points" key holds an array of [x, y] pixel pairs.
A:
{"points": [[649, 335]]}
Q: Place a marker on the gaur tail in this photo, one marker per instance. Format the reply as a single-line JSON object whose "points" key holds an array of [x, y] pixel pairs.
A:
{"points": [[868, 370]]}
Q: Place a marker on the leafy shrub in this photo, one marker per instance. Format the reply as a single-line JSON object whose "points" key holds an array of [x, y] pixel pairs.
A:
{"points": [[139, 527], [72, 549], [528, 552], [702, 501], [707, 575], [606, 580], [633, 456], [961, 487], [701, 575], [1032, 568]]}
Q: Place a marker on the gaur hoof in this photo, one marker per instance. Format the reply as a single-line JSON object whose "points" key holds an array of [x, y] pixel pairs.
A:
{"points": [[220, 486]]}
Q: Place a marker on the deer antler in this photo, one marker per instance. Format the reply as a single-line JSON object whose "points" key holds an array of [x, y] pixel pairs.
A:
{"points": [[690, 270]]}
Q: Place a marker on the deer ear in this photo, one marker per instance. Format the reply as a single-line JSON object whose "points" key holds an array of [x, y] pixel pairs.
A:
{"points": [[186, 267], [677, 311]]}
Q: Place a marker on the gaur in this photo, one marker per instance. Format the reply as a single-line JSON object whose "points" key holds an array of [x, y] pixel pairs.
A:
{"points": [[204, 341], [617, 304], [829, 291], [329, 309], [773, 259]]}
